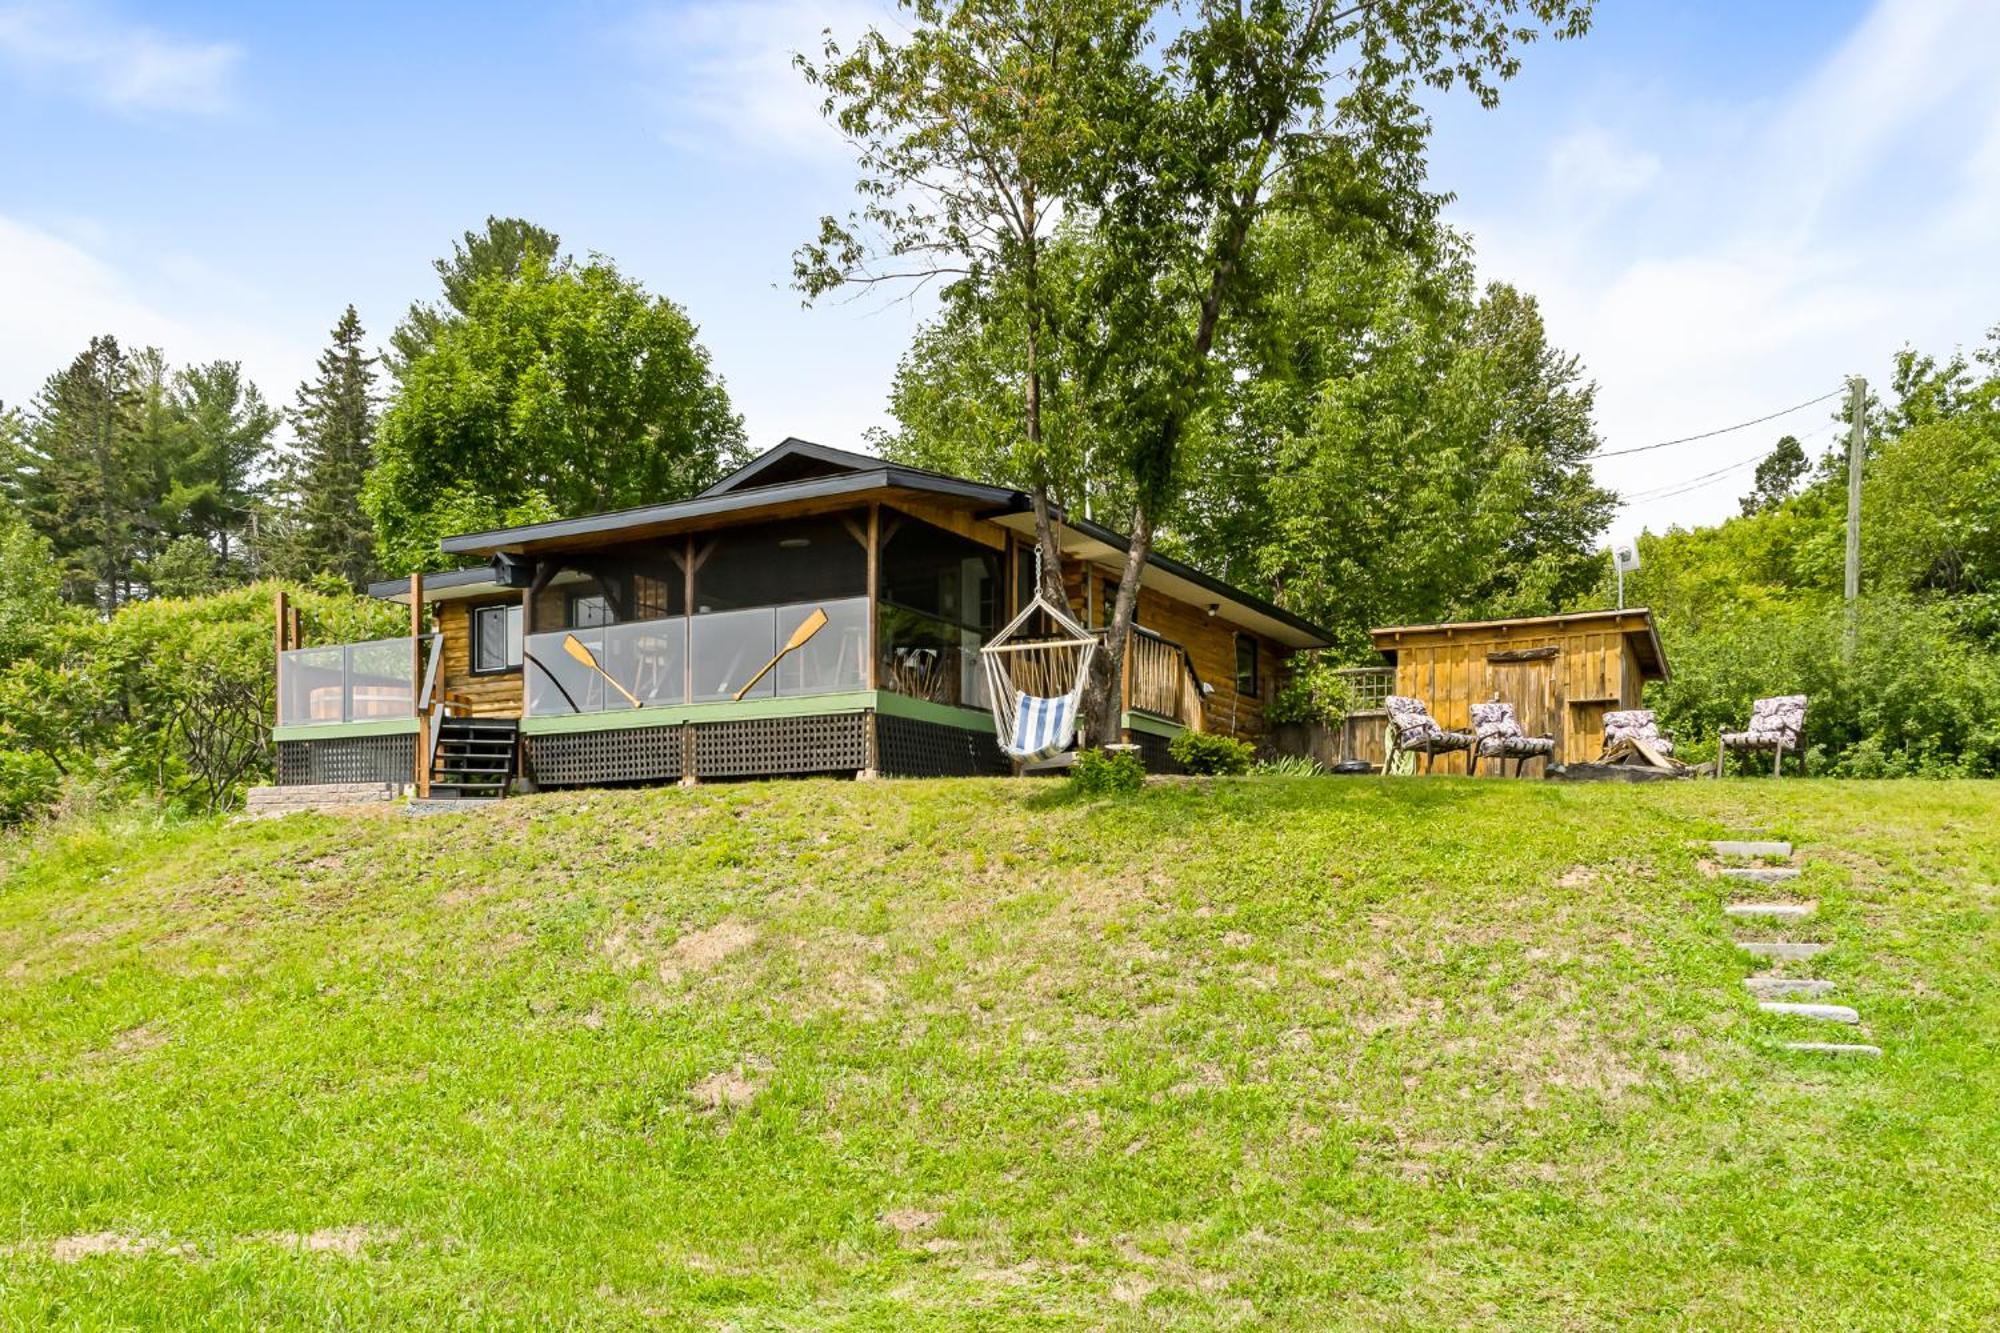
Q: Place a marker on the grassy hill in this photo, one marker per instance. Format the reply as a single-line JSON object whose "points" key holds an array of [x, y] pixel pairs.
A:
{"points": [[968, 1054]]}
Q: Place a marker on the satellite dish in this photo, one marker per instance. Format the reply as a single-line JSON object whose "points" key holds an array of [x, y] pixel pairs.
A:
{"points": [[1626, 554]]}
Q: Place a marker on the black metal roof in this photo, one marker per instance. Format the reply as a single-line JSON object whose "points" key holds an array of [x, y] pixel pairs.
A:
{"points": [[847, 473]]}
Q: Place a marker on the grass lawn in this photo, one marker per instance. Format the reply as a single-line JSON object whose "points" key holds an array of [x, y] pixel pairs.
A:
{"points": [[1295, 1053]]}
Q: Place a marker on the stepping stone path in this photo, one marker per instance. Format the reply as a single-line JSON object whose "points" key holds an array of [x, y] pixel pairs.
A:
{"points": [[1764, 987], [1783, 951], [1768, 988], [1832, 1013], [1777, 911], [1753, 851], [1761, 874]]}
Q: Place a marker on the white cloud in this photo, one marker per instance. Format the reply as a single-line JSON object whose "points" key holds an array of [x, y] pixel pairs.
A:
{"points": [[1707, 276], [126, 66], [720, 76], [60, 295]]}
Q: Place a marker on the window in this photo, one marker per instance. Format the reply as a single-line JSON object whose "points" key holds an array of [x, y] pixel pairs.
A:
{"points": [[1246, 666], [496, 637], [588, 610], [778, 564]]}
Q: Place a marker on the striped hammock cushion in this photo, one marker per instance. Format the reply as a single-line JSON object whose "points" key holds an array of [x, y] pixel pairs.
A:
{"points": [[1042, 727]]}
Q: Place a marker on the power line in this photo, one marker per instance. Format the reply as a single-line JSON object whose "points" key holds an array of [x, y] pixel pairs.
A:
{"points": [[1720, 430], [1683, 485]]}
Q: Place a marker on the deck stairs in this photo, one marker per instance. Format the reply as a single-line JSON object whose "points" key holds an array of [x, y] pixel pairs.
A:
{"points": [[473, 758]]}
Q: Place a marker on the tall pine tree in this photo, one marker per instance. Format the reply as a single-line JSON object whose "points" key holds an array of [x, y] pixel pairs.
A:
{"points": [[80, 475], [335, 423], [225, 429]]}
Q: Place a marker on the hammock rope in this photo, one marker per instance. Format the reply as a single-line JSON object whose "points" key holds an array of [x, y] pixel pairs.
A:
{"points": [[1035, 686]]}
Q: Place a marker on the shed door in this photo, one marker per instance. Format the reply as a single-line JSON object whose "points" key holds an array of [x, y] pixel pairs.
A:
{"points": [[1529, 683]]}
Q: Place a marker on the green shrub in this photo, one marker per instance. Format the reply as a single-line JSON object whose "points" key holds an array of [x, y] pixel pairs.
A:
{"points": [[1289, 766], [1106, 773], [1210, 754]]}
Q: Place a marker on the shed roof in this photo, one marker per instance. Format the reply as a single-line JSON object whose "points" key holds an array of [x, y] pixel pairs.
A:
{"points": [[1634, 622]]}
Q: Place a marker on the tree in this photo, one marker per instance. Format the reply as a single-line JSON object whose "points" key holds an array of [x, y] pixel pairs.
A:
{"points": [[224, 431], [81, 477], [506, 248], [1165, 136], [1778, 475], [564, 389], [333, 420]]}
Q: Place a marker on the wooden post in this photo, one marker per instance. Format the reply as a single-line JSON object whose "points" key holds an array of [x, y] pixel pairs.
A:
{"points": [[423, 748], [283, 609], [871, 748]]}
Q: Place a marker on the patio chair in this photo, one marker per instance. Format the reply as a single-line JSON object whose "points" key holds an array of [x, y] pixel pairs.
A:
{"points": [[1775, 724], [1412, 730], [1497, 735], [1635, 724]]}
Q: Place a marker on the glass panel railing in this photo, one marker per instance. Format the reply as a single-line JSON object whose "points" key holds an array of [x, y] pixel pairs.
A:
{"points": [[557, 683], [928, 658], [727, 647], [349, 682], [835, 659], [655, 660]]}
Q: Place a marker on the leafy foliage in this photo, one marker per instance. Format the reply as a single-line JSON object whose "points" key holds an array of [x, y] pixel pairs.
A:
{"points": [[1211, 754], [562, 389], [1106, 773]]}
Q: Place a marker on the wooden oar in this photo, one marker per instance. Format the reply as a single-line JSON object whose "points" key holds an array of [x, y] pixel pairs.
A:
{"points": [[808, 627], [574, 647]]}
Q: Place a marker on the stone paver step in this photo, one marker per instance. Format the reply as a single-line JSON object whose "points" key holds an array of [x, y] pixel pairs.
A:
{"points": [[1771, 986], [1783, 951], [1832, 1013], [1834, 1047], [1753, 851], [1776, 911], [1760, 874]]}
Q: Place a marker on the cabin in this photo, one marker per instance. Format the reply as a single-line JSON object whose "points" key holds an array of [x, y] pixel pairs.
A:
{"points": [[626, 647], [1562, 673]]}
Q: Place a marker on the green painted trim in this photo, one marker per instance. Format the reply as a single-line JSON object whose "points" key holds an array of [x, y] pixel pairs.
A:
{"points": [[923, 710], [806, 705], [1146, 722], [330, 731]]}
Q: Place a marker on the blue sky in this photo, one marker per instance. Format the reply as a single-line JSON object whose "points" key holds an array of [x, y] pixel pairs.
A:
{"points": [[1723, 207]]}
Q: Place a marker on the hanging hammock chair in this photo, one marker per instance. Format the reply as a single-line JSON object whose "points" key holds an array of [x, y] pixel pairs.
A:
{"points": [[1035, 686]]}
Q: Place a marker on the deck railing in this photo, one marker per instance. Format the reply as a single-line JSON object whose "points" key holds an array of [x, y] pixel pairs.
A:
{"points": [[1163, 680], [702, 658], [347, 682]]}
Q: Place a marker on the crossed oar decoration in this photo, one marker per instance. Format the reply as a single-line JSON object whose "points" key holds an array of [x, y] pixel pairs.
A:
{"points": [[808, 627]]}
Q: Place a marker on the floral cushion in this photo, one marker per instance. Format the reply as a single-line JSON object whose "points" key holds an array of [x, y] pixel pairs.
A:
{"points": [[1417, 730], [1773, 722], [1636, 724], [1499, 733]]}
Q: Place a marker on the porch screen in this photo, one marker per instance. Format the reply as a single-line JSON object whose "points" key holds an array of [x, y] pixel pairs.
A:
{"points": [[940, 601]]}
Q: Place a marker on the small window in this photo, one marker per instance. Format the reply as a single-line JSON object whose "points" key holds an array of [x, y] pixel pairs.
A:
{"points": [[496, 638], [1246, 666], [589, 610]]}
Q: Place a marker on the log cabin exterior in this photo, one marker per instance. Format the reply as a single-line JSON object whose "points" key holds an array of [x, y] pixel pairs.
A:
{"points": [[1562, 673], [680, 603]]}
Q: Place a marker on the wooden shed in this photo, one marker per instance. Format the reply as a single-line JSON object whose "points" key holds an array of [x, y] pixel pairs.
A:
{"points": [[1561, 673]]}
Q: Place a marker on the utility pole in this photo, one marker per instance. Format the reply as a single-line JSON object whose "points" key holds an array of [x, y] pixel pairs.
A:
{"points": [[1857, 400]]}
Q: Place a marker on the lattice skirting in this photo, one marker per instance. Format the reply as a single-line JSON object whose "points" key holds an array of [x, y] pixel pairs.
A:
{"points": [[911, 748], [1153, 753], [347, 759], [770, 746], [599, 758]]}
